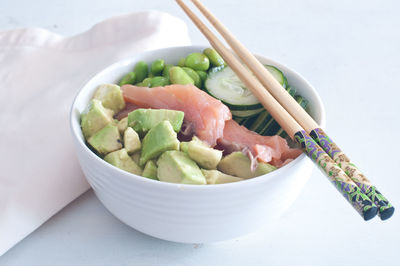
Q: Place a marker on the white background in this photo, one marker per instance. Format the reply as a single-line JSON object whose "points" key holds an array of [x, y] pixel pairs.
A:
{"points": [[349, 51]]}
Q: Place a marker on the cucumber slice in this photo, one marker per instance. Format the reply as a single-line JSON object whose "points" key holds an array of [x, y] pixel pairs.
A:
{"points": [[275, 128], [239, 120], [291, 91], [223, 84], [246, 113], [259, 122], [247, 122], [278, 75]]}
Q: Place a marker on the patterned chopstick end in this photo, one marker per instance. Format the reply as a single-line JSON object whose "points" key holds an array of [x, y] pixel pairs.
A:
{"points": [[352, 193]]}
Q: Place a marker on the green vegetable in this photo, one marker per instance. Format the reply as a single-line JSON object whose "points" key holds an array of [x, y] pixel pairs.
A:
{"points": [[141, 70], [223, 84], [181, 62], [196, 78], [157, 67], [246, 113], [178, 76], [158, 81], [129, 78], [214, 57], [165, 72], [197, 61], [202, 75], [278, 75], [146, 82], [150, 170]]}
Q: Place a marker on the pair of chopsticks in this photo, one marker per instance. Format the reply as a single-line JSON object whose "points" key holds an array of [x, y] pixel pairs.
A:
{"points": [[297, 123]]}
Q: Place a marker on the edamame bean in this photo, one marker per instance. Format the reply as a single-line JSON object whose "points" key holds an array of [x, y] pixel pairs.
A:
{"points": [[178, 76], [202, 75], [214, 57], [193, 75], [157, 67], [197, 61], [141, 70], [165, 72], [159, 81], [147, 82], [181, 62], [129, 78]]}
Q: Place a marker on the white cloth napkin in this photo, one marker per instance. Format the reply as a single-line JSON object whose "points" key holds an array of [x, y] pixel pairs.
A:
{"points": [[40, 73]]}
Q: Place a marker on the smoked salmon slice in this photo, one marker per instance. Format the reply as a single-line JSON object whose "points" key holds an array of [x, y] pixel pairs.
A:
{"points": [[207, 114], [269, 149]]}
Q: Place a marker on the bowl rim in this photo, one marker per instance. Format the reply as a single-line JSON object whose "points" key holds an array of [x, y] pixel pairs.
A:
{"points": [[125, 174]]}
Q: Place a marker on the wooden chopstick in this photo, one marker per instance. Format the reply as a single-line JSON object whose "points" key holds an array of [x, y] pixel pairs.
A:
{"points": [[365, 207], [299, 114]]}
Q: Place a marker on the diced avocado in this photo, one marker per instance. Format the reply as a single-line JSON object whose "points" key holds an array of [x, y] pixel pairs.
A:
{"points": [[238, 164], [177, 167], [202, 154], [150, 170], [136, 157], [183, 146], [159, 139], [106, 139], [122, 125], [122, 160], [131, 141], [110, 96], [142, 120], [217, 177], [95, 118]]}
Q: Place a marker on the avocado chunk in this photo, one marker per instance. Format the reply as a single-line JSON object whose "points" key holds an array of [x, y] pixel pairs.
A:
{"points": [[183, 146], [217, 177], [177, 167], [106, 139], [159, 139], [131, 141], [238, 164], [150, 170], [121, 159], [122, 125], [203, 155], [94, 118], [136, 157], [110, 96], [142, 120]]}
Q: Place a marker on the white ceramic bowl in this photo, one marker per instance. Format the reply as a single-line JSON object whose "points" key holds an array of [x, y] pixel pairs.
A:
{"points": [[191, 213]]}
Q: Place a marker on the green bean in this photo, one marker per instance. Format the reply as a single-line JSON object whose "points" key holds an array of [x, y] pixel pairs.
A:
{"points": [[178, 76], [166, 71], [147, 82], [181, 62], [197, 61], [157, 67], [196, 78], [214, 57], [141, 70], [129, 78], [159, 81]]}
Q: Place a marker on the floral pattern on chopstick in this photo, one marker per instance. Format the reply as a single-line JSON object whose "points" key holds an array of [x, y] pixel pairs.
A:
{"points": [[336, 175], [350, 169]]}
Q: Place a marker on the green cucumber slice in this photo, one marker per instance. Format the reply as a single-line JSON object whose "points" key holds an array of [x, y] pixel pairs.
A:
{"points": [[275, 128], [246, 113], [278, 75], [223, 84]]}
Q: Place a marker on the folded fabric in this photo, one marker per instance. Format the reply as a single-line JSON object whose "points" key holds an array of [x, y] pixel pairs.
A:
{"points": [[40, 73]]}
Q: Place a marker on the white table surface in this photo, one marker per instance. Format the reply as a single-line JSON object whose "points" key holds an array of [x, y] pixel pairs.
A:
{"points": [[349, 50]]}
